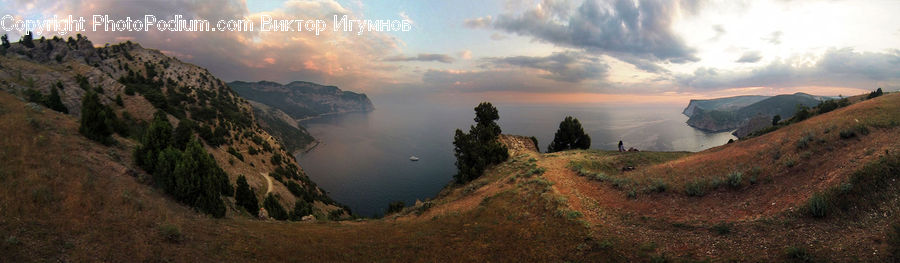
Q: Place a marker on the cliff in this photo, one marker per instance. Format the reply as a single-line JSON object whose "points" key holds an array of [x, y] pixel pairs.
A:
{"points": [[300, 99], [731, 113]]}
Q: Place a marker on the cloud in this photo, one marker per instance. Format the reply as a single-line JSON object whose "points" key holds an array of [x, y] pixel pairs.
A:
{"points": [[570, 67], [836, 67], [720, 31], [465, 54], [498, 36], [423, 57], [750, 57], [481, 22], [623, 29], [774, 38]]}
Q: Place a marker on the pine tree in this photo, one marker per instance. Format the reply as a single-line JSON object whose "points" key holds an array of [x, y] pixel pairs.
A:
{"points": [[244, 196], [27, 40], [5, 40], [183, 134], [54, 102], [274, 209], [570, 135], [301, 209], [478, 149], [93, 119], [156, 138]]}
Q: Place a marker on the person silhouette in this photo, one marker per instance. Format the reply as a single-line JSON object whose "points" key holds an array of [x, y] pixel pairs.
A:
{"points": [[621, 146]]}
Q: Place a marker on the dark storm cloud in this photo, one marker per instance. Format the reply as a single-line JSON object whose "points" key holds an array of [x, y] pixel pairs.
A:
{"points": [[837, 67], [621, 28], [750, 57], [561, 66], [423, 57]]}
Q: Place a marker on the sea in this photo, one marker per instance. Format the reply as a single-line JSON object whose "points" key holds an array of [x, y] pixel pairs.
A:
{"points": [[363, 158]]}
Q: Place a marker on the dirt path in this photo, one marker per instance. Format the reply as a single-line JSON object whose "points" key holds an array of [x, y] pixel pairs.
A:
{"points": [[269, 180]]}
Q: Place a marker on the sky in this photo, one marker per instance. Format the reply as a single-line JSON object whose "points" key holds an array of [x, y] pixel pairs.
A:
{"points": [[534, 51]]}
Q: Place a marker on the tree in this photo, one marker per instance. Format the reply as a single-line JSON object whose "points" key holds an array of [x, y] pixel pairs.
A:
{"points": [[93, 119], [802, 113], [183, 134], [301, 209], [156, 138], [570, 135], [27, 40], [54, 102], [5, 40], [875, 93], [776, 119], [244, 196], [274, 209], [479, 148], [199, 181]]}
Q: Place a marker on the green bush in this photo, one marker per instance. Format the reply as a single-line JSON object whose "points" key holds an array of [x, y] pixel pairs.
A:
{"points": [[395, 207], [170, 233], [722, 228], [893, 241], [798, 254], [696, 187], [734, 179], [235, 153], [817, 205]]}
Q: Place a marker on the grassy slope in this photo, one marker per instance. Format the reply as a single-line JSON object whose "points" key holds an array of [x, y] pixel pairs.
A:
{"points": [[533, 207]]}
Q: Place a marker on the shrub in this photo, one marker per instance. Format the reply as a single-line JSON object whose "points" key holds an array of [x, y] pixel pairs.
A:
{"points": [[695, 188], [301, 209], [235, 153], [570, 135], [893, 241], [789, 162], [395, 207], [776, 119], [804, 141], [734, 179], [722, 228], [817, 205], [274, 209], [170, 233], [798, 254], [658, 186]]}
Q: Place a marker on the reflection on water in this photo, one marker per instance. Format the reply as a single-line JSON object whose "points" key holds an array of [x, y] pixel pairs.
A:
{"points": [[363, 159]]}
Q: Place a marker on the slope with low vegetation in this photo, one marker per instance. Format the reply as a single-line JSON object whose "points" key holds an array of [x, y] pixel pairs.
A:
{"points": [[116, 90]]}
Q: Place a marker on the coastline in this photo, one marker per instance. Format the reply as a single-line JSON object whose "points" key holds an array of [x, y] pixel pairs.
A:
{"points": [[315, 143]]}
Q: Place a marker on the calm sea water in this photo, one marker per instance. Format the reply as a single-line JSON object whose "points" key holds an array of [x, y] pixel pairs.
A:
{"points": [[363, 158]]}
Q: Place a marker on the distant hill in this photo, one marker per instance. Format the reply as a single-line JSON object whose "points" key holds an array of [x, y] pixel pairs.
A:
{"points": [[731, 113], [301, 99]]}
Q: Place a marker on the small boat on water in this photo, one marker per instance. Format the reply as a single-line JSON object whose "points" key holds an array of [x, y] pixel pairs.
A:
{"points": [[413, 158]]}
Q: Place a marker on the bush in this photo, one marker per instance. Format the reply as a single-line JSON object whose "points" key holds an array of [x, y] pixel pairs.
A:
{"points": [[245, 197], [893, 241], [570, 135], [734, 179], [798, 254], [395, 207], [804, 141], [817, 205], [274, 209], [722, 228], [170, 233], [479, 148], [695, 188], [235, 153]]}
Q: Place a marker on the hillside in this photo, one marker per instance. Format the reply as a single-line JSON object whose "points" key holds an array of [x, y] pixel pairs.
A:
{"points": [[754, 200], [729, 114], [281, 107], [134, 83]]}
